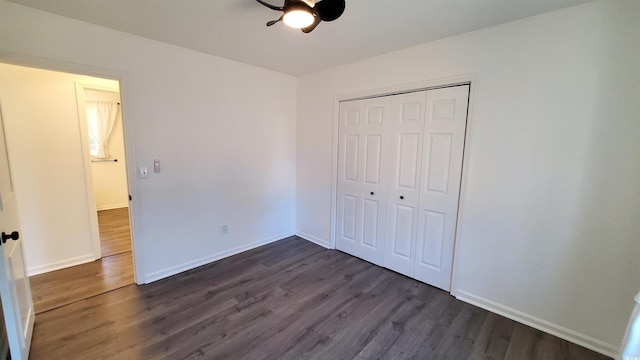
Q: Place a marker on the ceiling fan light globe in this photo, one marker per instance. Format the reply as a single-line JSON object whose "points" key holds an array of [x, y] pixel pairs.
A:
{"points": [[298, 18]]}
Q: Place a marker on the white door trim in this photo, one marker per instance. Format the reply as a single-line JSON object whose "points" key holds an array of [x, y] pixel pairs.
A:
{"points": [[465, 79], [124, 78]]}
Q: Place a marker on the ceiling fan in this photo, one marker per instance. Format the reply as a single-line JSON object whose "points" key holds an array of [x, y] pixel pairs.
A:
{"points": [[306, 14]]}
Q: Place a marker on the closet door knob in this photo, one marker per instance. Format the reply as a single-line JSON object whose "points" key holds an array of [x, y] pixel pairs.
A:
{"points": [[372, 193], [401, 197]]}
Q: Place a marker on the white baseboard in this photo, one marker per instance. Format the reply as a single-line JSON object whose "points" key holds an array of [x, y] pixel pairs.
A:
{"points": [[41, 269], [158, 275], [111, 207], [540, 324], [313, 239]]}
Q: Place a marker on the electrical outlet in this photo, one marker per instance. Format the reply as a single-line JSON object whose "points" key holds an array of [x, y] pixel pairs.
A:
{"points": [[225, 229]]}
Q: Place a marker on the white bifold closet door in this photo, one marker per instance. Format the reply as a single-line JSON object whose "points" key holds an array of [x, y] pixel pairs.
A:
{"points": [[399, 172], [405, 156], [362, 185], [445, 126]]}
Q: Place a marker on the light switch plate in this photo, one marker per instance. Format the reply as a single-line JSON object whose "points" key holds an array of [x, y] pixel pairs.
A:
{"points": [[144, 172]]}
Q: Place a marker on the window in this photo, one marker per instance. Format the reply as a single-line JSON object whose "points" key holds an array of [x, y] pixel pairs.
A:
{"points": [[101, 117]]}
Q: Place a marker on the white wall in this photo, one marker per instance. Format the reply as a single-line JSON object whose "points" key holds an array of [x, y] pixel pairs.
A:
{"points": [[109, 177], [549, 227], [45, 150], [224, 132]]}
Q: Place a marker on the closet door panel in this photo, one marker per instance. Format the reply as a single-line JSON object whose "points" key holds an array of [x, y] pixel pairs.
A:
{"points": [[362, 184], [439, 161], [373, 159], [402, 223], [445, 125], [406, 132], [349, 216], [408, 153], [373, 192], [433, 233], [348, 178], [370, 223], [351, 158]]}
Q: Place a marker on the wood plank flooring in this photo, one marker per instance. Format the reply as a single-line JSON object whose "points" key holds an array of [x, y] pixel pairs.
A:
{"points": [[115, 270], [115, 234], [287, 300], [65, 286]]}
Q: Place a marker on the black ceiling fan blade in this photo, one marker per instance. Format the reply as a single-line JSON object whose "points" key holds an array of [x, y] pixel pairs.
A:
{"points": [[308, 29], [272, 7], [273, 22], [329, 10]]}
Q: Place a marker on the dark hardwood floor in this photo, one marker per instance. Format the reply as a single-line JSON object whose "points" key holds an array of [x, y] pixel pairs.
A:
{"points": [[115, 270], [287, 300]]}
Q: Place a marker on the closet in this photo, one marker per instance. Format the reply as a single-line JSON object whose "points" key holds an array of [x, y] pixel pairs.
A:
{"points": [[399, 172]]}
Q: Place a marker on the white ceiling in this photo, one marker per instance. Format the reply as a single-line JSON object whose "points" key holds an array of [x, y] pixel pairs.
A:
{"points": [[235, 29]]}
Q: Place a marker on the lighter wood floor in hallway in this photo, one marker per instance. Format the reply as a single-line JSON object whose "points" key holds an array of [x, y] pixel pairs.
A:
{"points": [[115, 233], [114, 270]]}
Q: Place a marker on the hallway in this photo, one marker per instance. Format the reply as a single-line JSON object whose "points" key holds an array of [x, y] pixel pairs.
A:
{"points": [[114, 270]]}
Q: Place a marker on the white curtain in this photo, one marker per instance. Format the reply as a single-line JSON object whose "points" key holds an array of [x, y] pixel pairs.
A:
{"points": [[101, 117]]}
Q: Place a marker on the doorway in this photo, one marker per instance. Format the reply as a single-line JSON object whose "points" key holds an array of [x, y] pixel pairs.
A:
{"points": [[104, 132], [62, 186]]}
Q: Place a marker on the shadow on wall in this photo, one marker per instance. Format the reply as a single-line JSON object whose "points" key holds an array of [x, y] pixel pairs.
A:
{"points": [[608, 207]]}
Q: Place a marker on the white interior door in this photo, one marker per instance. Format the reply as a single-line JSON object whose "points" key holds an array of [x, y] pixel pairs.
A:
{"points": [[362, 190], [407, 122], [445, 124], [15, 291]]}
